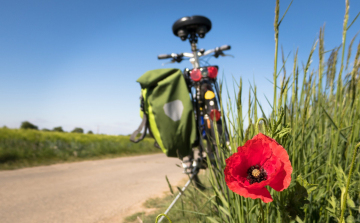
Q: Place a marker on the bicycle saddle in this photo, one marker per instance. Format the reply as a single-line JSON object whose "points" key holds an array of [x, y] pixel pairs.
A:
{"points": [[191, 25]]}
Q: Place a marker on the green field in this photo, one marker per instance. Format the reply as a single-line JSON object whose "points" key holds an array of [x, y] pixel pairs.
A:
{"points": [[24, 148]]}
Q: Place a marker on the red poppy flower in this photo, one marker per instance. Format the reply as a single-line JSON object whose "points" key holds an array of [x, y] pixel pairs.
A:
{"points": [[260, 162]]}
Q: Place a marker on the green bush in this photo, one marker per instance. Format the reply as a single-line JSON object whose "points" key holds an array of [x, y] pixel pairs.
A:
{"points": [[78, 130], [58, 129], [28, 125]]}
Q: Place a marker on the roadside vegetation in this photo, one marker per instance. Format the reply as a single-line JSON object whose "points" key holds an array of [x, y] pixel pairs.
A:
{"points": [[30, 147], [185, 210], [316, 117]]}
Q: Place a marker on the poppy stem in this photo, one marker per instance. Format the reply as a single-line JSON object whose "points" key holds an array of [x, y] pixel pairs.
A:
{"points": [[257, 125], [262, 211]]}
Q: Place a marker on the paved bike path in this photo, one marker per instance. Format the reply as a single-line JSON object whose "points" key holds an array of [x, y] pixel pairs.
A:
{"points": [[89, 191]]}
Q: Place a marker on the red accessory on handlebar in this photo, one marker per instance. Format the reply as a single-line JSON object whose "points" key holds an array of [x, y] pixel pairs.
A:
{"points": [[195, 75], [212, 72]]}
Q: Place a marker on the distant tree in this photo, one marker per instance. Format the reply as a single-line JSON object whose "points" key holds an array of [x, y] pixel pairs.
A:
{"points": [[58, 129], [45, 130], [28, 125], [78, 130], [90, 132]]}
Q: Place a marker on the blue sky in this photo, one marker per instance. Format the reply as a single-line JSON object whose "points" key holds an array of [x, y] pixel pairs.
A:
{"points": [[74, 63]]}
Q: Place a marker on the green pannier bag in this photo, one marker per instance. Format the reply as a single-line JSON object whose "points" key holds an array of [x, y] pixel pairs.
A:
{"points": [[167, 112]]}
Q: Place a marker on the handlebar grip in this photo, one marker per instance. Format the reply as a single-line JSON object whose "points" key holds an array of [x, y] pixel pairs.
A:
{"points": [[164, 56], [225, 47]]}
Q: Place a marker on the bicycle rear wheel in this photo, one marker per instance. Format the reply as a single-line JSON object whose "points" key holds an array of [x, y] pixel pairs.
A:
{"points": [[197, 182], [214, 125]]}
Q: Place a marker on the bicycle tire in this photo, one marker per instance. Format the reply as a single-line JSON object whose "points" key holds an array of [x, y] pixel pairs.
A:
{"points": [[197, 182], [209, 127]]}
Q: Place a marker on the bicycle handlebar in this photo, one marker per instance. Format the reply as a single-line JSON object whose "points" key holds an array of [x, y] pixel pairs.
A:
{"points": [[164, 56], [217, 51], [225, 47], [173, 55]]}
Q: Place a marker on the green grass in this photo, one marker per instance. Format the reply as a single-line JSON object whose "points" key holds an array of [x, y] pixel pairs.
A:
{"points": [[316, 117], [184, 210], [24, 148], [134, 217], [318, 123]]}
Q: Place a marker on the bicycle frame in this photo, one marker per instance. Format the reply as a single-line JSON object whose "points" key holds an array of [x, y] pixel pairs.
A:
{"points": [[195, 55], [197, 102], [196, 98]]}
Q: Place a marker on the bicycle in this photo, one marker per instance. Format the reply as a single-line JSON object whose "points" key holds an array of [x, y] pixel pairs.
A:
{"points": [[201, 82]]}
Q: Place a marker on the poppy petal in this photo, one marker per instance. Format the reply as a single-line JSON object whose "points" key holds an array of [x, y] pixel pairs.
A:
{"points": [[283, 178], [272, 166], [256, 151], [238, 164], [261, 193]]}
